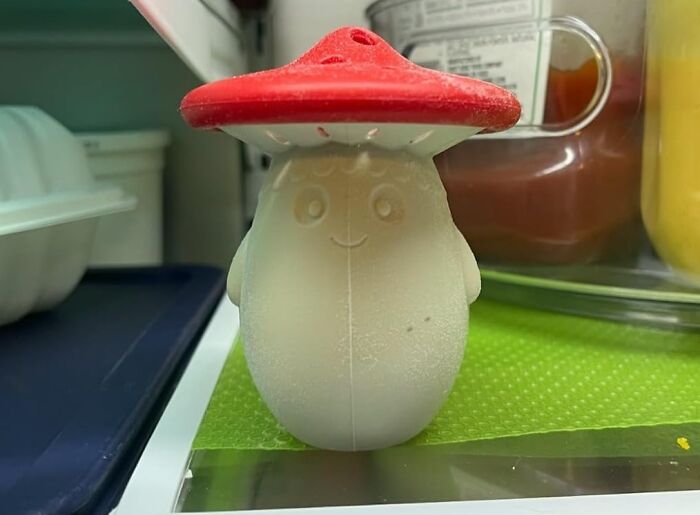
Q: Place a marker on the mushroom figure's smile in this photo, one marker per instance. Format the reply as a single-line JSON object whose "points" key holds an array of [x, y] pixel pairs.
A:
{"points": [[349, 244]]}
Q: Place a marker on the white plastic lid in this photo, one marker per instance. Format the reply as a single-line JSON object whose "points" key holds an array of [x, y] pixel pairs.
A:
{"points": [[44, 175]]}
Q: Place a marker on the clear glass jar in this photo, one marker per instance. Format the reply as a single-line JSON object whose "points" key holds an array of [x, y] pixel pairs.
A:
{"points": [[560, 191]]}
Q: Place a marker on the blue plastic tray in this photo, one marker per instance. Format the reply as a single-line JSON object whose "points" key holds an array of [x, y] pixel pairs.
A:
{"points": [[80, 386]]}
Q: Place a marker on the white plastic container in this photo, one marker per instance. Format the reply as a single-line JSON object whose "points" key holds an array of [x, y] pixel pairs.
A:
{"points": [[49, 209], [134, 161]]}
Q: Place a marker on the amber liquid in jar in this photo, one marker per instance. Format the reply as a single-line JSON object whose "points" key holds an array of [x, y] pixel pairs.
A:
{"points": [[561, 200]]}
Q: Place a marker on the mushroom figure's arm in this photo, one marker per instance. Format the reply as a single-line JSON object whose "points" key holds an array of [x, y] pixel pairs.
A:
{"points": [[472, 277], [235, 274]]}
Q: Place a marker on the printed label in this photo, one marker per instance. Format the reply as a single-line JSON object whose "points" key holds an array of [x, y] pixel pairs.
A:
{"points": [[452, 36]]}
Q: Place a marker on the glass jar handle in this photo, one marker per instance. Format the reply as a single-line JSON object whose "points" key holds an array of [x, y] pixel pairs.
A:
{"points": [[568, 24]]}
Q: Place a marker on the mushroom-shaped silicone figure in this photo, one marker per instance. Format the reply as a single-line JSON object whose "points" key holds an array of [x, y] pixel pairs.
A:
{"points": [[353, 282]]}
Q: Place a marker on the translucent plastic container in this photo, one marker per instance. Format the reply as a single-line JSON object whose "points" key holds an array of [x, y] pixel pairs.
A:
{"points": [[134, 161], [563, 186], [49, 210], [671, 181]]}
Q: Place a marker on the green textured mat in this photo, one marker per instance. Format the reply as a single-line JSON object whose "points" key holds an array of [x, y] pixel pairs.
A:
{"points": [[526, 372]]}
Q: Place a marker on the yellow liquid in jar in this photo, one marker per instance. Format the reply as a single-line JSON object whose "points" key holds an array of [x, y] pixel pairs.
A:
{"points": [[671, 173]]}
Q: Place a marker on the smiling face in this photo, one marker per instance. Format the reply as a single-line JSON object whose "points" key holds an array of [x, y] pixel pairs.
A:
{"points": [[348, 198]]}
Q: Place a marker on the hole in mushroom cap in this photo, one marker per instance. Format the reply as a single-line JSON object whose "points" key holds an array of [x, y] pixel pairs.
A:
{"points": [[322, 132], [421, 137], [372, 133], [361, 37], [277, 138], [333, 59]]}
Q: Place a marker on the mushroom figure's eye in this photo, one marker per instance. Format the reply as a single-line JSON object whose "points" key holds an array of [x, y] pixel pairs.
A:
{"points": [[310, 205], [386, 203]]}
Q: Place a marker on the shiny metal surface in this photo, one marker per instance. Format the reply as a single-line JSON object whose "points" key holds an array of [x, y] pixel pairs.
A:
{"points": [[236, 480]]}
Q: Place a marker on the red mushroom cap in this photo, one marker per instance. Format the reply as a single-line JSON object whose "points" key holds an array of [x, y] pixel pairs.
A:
{"points": [[351, 76]]}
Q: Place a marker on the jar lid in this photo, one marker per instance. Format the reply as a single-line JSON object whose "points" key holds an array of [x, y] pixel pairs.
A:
{"points": [[351, 76]]}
